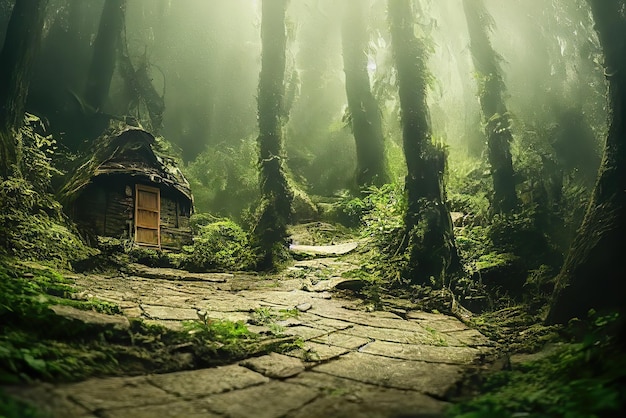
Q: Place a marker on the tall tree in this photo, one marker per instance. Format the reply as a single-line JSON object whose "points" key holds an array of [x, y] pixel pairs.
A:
{"points": [[430, 239], [21, 45], [275, 212], [105, 49], [365, 114], [592, 274], [491, 88]]}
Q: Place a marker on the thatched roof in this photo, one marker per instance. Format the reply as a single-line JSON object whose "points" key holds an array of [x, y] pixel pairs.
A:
{"points": [[125, 150]]}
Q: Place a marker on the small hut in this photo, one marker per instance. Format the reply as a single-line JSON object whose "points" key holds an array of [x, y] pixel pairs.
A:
{"points": [[127, 189]]}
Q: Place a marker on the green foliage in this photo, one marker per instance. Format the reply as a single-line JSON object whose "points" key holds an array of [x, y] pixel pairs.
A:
{"points": [[32, 224], [11, 408], [469, 185], [229, 333], [220, 245], [224, 179], [580, 380]]}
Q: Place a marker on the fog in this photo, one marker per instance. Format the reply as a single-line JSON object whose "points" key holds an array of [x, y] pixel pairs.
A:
{"points": [[203, 57]]}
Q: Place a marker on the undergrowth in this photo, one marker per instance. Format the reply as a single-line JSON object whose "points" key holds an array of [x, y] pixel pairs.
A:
{"points": [[584, 379]]}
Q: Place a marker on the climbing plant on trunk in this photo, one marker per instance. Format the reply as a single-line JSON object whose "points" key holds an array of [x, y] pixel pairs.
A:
{"points": [[592, 274], [21, 45], [491, 88], [429, 237], [275, 211], [364, 112]]}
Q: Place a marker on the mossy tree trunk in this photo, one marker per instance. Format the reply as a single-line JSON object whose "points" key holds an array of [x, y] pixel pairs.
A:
{"points": [[17, 58], [429, 235], [491, 88], [104, 53], [365, 114], [592, 276], [275, 213]]}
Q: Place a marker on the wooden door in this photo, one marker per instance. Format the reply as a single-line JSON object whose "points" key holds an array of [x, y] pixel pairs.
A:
{"points": [[147, 215]]}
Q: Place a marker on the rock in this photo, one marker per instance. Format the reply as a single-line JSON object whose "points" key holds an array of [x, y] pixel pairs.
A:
{"points": [[90, 317], [351, 284], [303, 307]]}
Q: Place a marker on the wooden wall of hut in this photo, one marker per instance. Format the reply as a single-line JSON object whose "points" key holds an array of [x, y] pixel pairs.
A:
{"points": [[106, 207]]}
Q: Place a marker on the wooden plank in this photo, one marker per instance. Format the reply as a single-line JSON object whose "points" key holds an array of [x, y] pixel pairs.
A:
{"points": [[147, 215]]}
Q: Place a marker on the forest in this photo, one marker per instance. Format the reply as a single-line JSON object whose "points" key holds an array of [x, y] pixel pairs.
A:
{"points": [[286, 164]]}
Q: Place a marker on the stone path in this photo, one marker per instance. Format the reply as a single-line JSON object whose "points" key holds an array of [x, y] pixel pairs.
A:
{"points": [[353, 363]]}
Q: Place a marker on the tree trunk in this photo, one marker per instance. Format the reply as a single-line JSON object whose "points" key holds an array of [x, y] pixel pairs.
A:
{"points": [[592, 276], [430, 239], [105, 53], [495, 115], [21, 45], [275, 211], [364, 111]]}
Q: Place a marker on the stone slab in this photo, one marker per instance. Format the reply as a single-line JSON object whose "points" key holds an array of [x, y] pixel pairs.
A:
{"points": [[343, 398], [227, 303], [316, 352], [332, 323], [169, 313], [174, 274], [343, 340], [90, 317], [115, 393], [428, 353], [274, 365], [444, 324], [415, 336], [196, 383], [472, 338], [434, 379], [306, 333], [271, 400], [374, 319], [186, 409]]}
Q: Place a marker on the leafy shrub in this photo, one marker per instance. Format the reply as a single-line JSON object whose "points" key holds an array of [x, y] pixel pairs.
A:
{"points": [[220, 245]]}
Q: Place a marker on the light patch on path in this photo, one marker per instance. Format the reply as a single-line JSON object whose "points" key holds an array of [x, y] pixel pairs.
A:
{"points": [[330, 250]]}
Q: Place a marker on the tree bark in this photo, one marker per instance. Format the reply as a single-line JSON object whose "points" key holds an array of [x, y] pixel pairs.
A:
{"points": [[592, 275], [21, 46], [105, 53], [275, 212], [495, 114], [430, 239], [366, 120]]}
